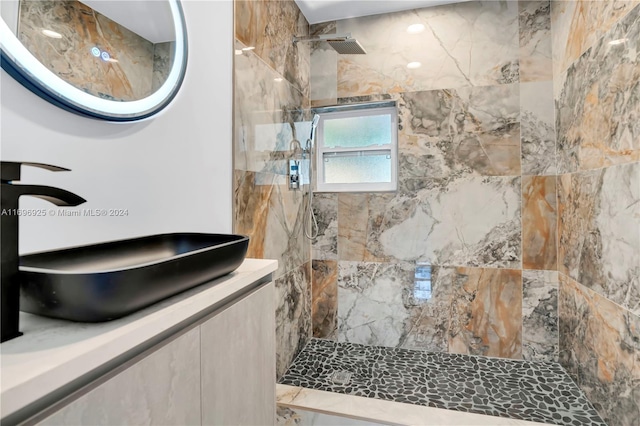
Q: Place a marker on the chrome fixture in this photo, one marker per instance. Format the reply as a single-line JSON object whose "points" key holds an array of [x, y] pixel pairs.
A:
{"points": [[310, 222], [344, 44], [10, 280], [294, 174]]}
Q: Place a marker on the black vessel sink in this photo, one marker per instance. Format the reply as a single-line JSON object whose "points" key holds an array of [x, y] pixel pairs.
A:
{"points": [[109, 280]]}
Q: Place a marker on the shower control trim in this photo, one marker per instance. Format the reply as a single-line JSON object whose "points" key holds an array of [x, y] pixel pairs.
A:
{"points": [[294, 175]]}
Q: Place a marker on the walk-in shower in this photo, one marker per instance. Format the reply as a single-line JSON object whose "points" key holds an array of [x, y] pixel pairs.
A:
{"points": [[344, 44]]}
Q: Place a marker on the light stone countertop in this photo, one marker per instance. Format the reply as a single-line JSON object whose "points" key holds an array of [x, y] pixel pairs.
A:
{"points": [[53, 353]]}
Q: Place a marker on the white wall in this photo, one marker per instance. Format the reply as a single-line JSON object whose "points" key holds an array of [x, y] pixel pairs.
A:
{"points": [[173, 172]]}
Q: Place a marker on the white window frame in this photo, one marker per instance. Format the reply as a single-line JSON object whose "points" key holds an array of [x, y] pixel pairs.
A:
{"points": [[392, 147]]}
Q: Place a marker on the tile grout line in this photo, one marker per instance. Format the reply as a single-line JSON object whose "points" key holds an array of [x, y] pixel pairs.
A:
{"points": [[593, 292]]}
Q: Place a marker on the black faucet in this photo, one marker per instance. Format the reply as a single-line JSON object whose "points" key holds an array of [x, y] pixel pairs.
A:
{"points": [[10, 280]]}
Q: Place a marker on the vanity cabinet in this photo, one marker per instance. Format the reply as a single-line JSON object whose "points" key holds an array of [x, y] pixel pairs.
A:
{"points": [[220, 372], [161, 389], [238, 363]]}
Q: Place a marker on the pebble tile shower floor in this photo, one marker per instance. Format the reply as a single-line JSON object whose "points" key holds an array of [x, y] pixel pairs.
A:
{"points": [[534, 391]]}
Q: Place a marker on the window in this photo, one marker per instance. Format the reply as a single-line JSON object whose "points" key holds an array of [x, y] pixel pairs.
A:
{"points": [[357, 148]]}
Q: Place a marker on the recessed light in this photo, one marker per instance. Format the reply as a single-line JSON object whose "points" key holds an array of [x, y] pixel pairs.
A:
{"points": [[278, 79], [414, 65], [238, 52], [619, 41], [51, 34], [415, 28], [246, 49]]}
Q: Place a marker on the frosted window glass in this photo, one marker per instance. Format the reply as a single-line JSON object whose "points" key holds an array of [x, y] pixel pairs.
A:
{"points": [[357, 132], [370, 168]]}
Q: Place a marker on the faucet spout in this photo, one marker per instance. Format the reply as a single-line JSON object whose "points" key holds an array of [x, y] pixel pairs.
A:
{"points": [[56, 196], [10, 275]]}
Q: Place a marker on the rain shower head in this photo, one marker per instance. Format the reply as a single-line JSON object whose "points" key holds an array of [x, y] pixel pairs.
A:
{"points": [[344, 44], [349, 46]]}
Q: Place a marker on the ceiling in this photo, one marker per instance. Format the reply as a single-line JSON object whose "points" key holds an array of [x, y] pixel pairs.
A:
{"points": [[329, 10]]}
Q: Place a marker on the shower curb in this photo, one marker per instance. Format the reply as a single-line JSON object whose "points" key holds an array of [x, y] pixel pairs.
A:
{"points": [[383, 412]]}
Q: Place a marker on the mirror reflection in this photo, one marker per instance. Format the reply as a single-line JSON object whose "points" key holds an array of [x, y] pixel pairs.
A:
{"points": [[100, 47]]}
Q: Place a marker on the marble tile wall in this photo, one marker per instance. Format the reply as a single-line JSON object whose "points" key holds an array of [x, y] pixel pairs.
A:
{"points": [[482, 51], [325, 297], [537, 124], [539, 222], [268, 27], [600, 348], [293, 315], [471, 310], [271, 96], [476, 201], [324, 63], [598, 192], [579, 24], [598, 103], [130, 77], [540, 315], [535, 40], [162, 62], [598, 239]]}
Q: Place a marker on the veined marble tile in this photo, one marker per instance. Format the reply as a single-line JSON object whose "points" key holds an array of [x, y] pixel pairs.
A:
{"points": [[358, 217], [538, 128], [272, 216], [599, 347], [481, 51], [296, 399], [285, 238], [430, 319], [325, 245], [297, 417], [268, 117], [293, 315], [269, 26], [539, 222], [374, 302], [163, 54], [578, 25], [599, 242], [540, 316], [251, 207], [535, 40], [598, 102], [486, 312], [324, 67], [324, 306], [128, 79], [449, 133], [460, 310], [473, 222], [469, 222]]}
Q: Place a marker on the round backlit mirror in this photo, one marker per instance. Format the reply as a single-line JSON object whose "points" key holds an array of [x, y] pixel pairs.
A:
{"points": [[107, 59]]}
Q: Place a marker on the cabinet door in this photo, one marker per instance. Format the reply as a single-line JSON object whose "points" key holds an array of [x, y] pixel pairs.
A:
{"points": [[161, 389], [238, 363]]}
